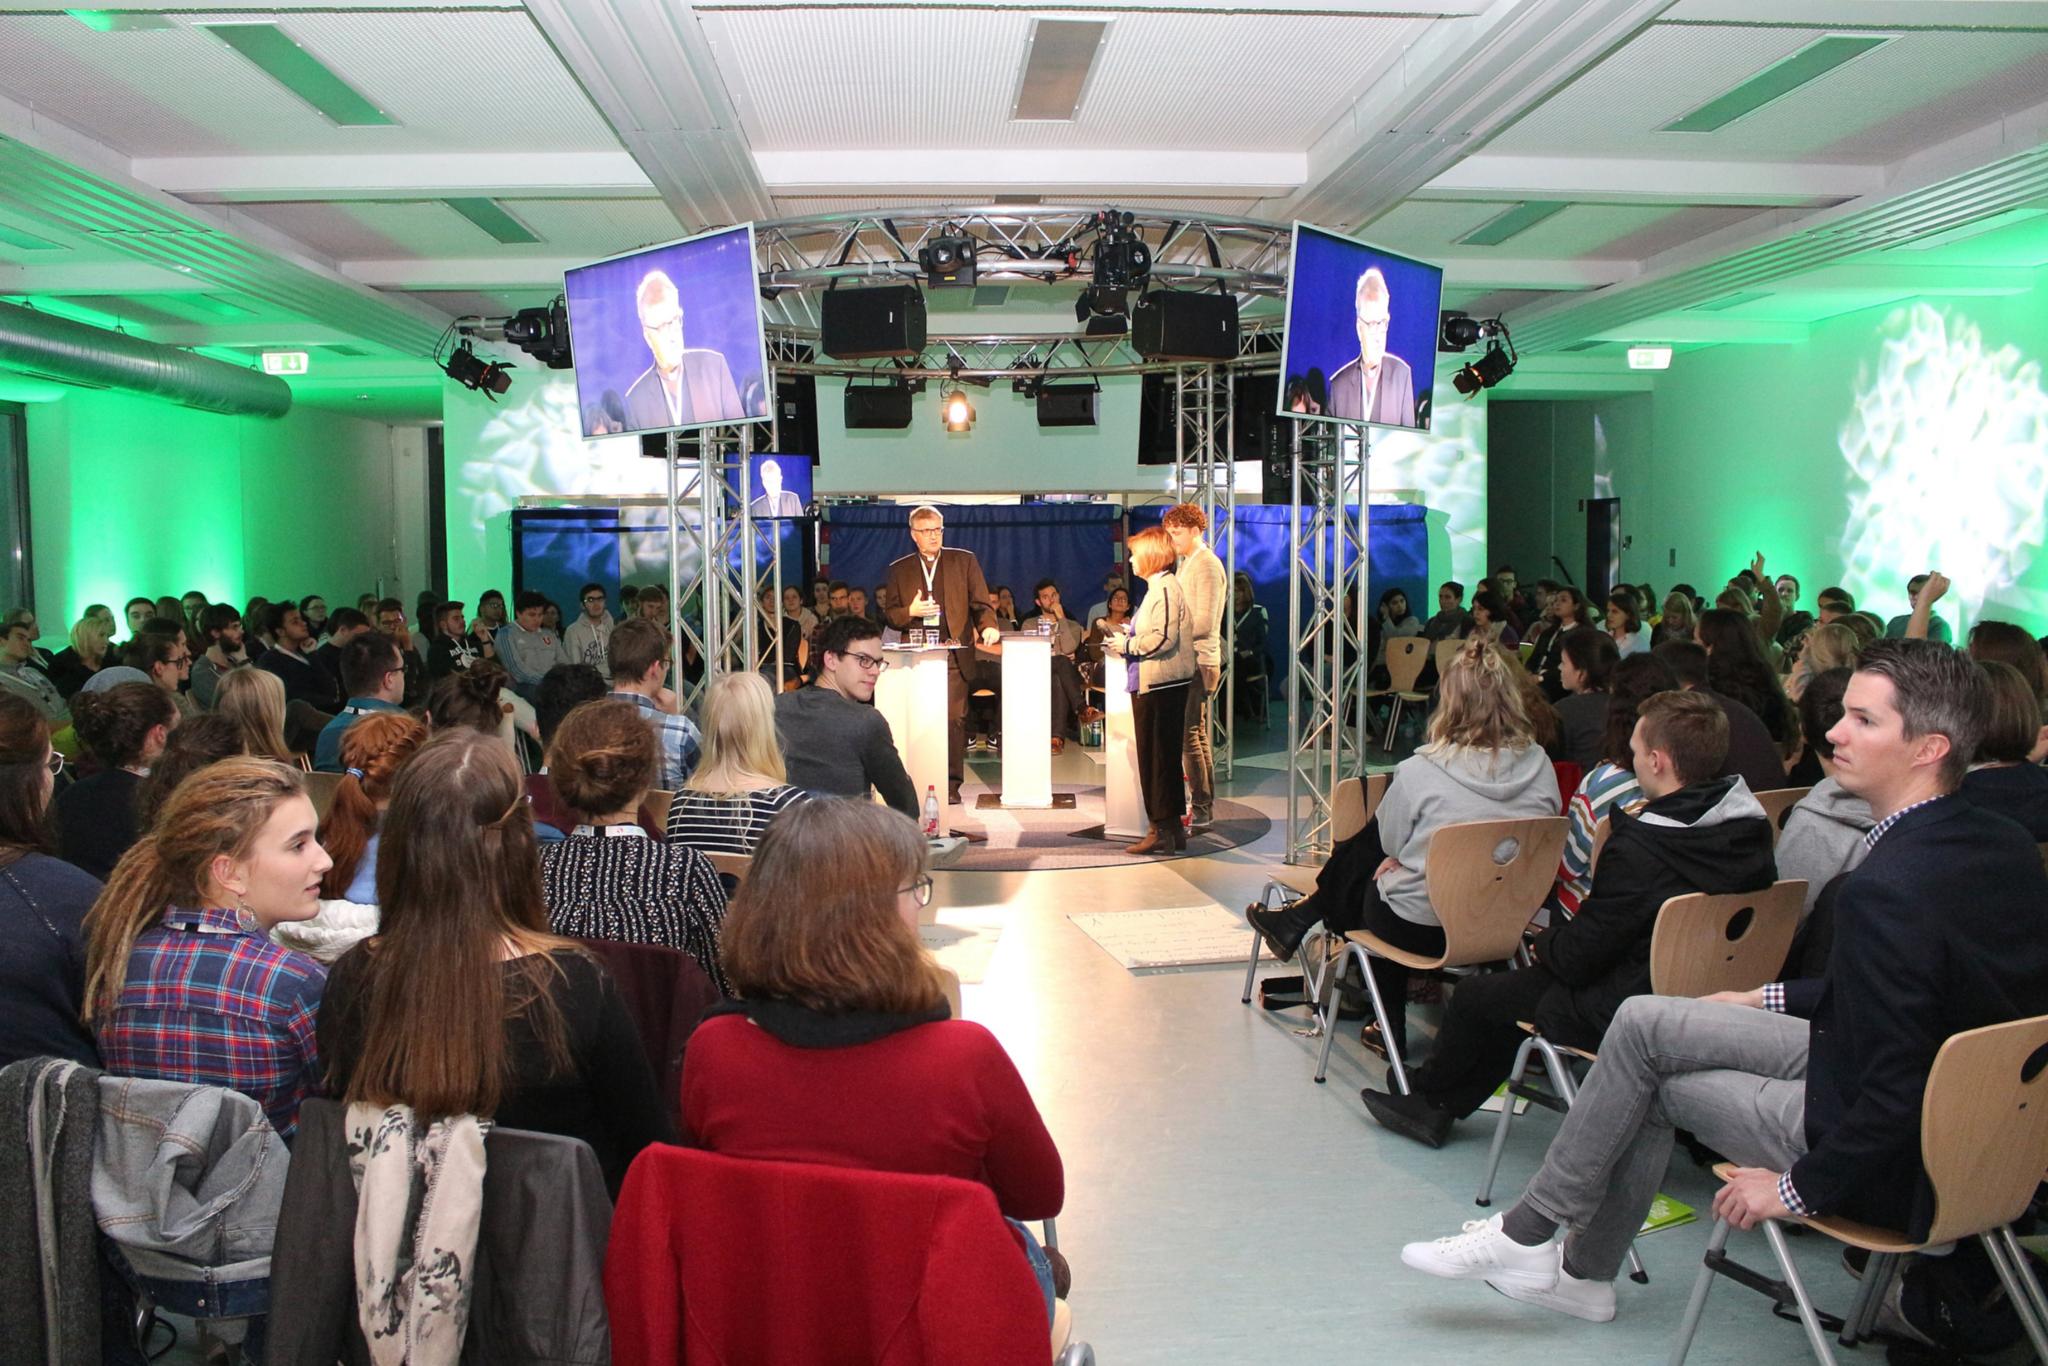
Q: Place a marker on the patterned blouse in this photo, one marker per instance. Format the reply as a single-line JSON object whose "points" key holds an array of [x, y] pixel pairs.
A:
{"points": [[615, 882]]}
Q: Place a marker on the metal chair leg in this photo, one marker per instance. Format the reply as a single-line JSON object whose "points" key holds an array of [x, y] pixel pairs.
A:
{"points": [[1500, 1128], [2019, 1287], [1863, 1313], [1251, 968], [1331, 966], [1379, 1013], [1808, 1319], [1689, 1326], [2035, 1297], [1393, 724], [1051, 1237]]}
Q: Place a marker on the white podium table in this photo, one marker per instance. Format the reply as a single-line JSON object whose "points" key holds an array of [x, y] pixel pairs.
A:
{"points": [[1123, 799], [911, 695], [1027, 719]]}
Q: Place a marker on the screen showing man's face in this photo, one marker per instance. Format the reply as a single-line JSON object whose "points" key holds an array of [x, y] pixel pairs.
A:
{"points": [[771, 478], [1373, 315], [661, 322]]}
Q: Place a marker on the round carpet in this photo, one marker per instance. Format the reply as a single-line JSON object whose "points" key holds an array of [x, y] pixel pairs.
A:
{"points": [[1071, 837]]}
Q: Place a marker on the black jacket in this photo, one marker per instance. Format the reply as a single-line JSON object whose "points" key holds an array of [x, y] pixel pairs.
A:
{"points": [[1942, 928], [2018, 792], [1721, 842], [1751, 751]]}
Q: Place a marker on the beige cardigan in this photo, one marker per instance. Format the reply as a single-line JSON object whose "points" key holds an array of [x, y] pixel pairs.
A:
{"points": [[1162, 638]]}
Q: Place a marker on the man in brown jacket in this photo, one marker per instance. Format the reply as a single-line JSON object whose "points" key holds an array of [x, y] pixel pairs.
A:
{"points": [[937, 587], [1207, 586]]}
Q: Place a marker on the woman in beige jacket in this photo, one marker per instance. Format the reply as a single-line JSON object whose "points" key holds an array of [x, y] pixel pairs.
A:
{"points": [[1161, 648]]}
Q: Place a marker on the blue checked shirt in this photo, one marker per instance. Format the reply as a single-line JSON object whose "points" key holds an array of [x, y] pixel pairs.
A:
{"points": [[680, 745]]}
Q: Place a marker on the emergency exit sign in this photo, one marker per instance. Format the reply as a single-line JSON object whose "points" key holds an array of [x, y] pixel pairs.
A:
{"points": [[284, 363]]}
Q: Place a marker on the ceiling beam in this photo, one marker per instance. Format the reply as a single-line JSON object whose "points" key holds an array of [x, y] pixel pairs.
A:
{"points": [[272, 179], [1464, 81], [1709, 329], [106, 277], [476, 273], [1622, 180], [648, 69], [1486, 272], [1040, 170], [1892, 14]]}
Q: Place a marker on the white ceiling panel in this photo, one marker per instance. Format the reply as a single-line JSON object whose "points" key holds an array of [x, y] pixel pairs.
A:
{"points": [[423, 229], [819, 79], [180, 91]]}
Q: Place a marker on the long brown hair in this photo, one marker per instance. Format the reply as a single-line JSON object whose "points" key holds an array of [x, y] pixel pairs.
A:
{"points": [[458, 881], [24, 796], [115, 723], [218, 810], [815, 922], [254, 698], [375, 747]]}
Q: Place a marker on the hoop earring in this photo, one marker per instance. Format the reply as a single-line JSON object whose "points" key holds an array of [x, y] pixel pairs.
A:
{"points": [[245, 919]]}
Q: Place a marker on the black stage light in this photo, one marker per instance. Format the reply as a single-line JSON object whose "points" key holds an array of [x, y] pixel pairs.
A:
{"points": [[948, 259], [1456, 331], [1106, 312], [1121, 258], [1490, 369], [542, 333], [471, 371]]}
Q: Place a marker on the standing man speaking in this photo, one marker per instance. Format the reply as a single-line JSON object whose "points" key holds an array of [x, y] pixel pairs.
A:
{"points": [[1207, 586], [936, 587]]}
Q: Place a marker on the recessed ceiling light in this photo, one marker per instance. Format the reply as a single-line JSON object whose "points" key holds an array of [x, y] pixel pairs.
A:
{"points": [[1649, 358], [1056, 66], [1511, 222], [1776, 81], [281, 58]]}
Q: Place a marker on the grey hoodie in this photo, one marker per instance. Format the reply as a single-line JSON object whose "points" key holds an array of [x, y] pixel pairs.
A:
{"points": [[1822, 838], [1448, 786]]}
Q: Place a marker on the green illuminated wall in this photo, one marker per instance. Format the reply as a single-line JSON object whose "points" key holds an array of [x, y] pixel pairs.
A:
{"points": [[132, 496]]}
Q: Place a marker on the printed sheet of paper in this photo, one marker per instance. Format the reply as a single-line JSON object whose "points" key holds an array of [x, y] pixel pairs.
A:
{"points": [[964, 941], [1176, 937]]}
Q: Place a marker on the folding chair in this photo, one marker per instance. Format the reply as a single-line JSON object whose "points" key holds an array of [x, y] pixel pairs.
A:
{"points": [[1405, 657], [321, 787], [1777, 801], [1984, 1143]]}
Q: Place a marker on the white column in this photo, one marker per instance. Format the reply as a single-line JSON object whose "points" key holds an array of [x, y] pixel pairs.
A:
{"points": [[911, 695], [1123, 800], [1027, 719]]}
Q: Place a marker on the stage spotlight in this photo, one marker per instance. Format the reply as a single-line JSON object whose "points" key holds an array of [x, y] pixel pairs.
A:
{"points": [[948, 259], [956, 411], [1456, 331], [1490, 369], [1105, 312], [471, 371], [1122, 261], [542, 333]]}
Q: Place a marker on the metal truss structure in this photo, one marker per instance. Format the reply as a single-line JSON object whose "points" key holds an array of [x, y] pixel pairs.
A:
{"points": [[1205, 474], [711, 611]]}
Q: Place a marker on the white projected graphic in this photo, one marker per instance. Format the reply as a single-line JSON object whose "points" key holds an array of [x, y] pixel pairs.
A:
{"points": [[1947, 442], [1445, 470]]}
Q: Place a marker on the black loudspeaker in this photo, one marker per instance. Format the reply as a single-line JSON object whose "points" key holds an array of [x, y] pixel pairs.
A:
{"points": [[880, 405], [1175, 325], [863, 324], [1066, 405]]}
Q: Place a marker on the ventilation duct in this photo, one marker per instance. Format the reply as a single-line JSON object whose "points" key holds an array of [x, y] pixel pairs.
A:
{"points": [[75, 353]]}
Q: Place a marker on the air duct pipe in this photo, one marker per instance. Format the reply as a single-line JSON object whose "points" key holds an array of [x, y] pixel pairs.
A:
{"points": [[76, 353]]}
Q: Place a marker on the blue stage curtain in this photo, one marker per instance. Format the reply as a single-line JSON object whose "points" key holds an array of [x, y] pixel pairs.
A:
{"points": [[1073, 544]]}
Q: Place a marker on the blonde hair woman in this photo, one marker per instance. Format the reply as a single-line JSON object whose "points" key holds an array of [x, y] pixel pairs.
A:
{"points": [[84, 657], [1830, 645], [1160, 650], [254, 700], [1480, 762], [740, 783]]}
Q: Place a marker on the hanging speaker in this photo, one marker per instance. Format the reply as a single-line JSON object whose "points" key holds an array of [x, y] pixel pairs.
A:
{"points": [[1176, 325], [867, 324], [877, 406]]}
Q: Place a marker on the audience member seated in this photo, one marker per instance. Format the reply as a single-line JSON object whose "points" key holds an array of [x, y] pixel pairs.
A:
{"points": [[1586, 660], [835, 743], [124, 728], [2007, 643], [313, 608], [1828, 645], [2007, 776], [566, 687], [305, 683], [1625, 622], [640, 658], [1546, 727], [223, 652], [1451, 621], [1480, 763], [453, 646], [203, 740], [391, 622], [1564, 612], [527, 647], [87, 653], [585, 639], [609, 879], [138, 611], [161, 652], [1751, 751], [1490, 620], [373, 674], [840, 1050], [1813, 1088], [21, 677], [474, 700], [1677, 621], [463, 1002], [1697, 834], [742, 783], [1933, 627], [1070, 709], [1794, 623], [1609, 785], [254, 700], [182, 983], [794, 649], [1822, 836], [1737, 670], [374, 752], [42, 934], [342, 628]]}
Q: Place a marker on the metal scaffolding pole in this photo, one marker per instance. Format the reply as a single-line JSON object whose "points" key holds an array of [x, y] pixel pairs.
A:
{"points": [[1204, 473], [1328, 539], [711, 604]]}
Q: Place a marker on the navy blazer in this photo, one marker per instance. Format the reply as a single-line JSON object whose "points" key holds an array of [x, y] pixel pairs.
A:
{"points": [[1943, 928]]}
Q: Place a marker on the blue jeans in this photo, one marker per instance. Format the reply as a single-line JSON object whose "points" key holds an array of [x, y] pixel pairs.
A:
{"points": [[1040, 1266]]}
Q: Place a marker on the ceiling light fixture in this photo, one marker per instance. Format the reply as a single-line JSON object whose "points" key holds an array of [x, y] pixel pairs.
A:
{"points": [[543, 333], [1120, 258], [956, 411], [1493, 366], [1456, 331], [472, 371], [1649, 358], [948, 259]]}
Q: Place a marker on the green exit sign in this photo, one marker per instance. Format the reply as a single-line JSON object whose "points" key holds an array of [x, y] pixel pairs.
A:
{"points": [[284, 363]]}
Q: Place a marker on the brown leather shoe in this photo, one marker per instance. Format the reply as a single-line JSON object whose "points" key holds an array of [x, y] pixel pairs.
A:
{"points": [[1151, 843], [1059, 744]]}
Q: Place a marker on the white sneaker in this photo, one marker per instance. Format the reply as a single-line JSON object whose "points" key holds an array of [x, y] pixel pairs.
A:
{"points": [[1592, 1301], [1483, 1253]]}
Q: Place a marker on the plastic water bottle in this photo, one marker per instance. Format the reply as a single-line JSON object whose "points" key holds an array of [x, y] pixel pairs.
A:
{"points": [[931, 813]]}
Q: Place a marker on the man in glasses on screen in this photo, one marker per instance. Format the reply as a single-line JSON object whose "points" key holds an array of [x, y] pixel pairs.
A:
{"points": [[1377, 386], [686, 384]]}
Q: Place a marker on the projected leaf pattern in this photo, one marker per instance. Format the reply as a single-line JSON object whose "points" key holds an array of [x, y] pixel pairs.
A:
{"points": [[1444, 469], [1947, 445]]}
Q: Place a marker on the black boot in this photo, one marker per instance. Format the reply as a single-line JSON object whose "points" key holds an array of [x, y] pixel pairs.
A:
{"points": [[1283, 929], [1411, 1116]]}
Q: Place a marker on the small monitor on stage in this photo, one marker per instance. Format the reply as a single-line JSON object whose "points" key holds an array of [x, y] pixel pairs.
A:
{"points": [[1361, 333], [778, 485], [670, 337]]}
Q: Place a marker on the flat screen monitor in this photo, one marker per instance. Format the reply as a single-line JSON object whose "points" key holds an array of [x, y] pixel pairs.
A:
{"points": [[778, 485], [1361, 333], [669, 338]]}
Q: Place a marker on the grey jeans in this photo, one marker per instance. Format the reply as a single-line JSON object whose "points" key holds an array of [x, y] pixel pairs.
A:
{"points": [[1195, 756], [1733, 1075]]}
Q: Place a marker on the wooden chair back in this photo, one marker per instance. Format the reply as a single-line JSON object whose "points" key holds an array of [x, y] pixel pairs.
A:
{"points": [[1984, 1126], [1601, 833], [1446, 651], [1405, 658], [1486, 881], [1777, 801], [1734, 942], [321, 787], [734, 866], [654, 812], [1355, 802]]}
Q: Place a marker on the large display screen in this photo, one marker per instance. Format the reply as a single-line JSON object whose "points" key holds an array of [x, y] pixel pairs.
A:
{"points": [[670, 337], [778, 485], [1361, 333]]}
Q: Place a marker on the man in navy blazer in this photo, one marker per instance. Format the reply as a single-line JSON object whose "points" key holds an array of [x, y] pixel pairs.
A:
{"points": [[1814, 1086]]}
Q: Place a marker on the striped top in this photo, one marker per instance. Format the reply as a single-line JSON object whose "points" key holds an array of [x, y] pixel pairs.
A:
{"points": [[617, 883], [1607, 786], [722, 824]]}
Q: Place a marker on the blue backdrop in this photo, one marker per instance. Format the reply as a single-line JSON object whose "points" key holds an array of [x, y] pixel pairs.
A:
{"points": [[1073, 544], [557, 550]]}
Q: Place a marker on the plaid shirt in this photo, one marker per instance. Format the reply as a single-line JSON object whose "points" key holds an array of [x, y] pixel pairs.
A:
{"points": [[210, 1003], [678, 736]]}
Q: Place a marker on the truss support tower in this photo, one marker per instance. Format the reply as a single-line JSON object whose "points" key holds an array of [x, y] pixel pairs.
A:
{"points": [[1327, 731]]}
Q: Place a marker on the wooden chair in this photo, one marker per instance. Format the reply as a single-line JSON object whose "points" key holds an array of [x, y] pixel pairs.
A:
{"points": [[732, 866], [1446, 651], [1405, 657], [321, 787], [654, 812], [1352, 808], [1777, 801], [1601, 834], [1984, 1143], [1483, 901]]}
